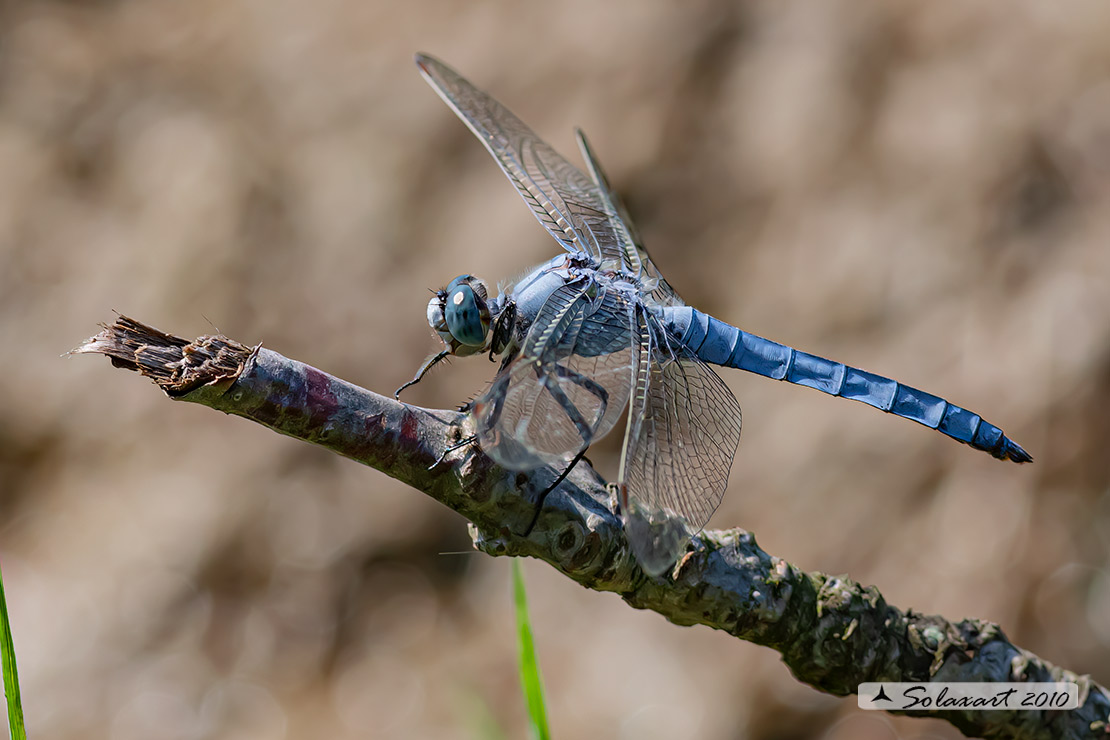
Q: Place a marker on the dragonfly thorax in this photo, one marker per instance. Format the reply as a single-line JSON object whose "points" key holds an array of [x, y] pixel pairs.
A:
{"points": [[460, 315]]}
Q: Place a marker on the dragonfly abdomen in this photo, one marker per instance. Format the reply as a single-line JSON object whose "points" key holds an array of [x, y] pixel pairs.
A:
{"points": [[719, 343]]}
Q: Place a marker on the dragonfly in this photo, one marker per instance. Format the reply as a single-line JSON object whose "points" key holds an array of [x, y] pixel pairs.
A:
{"points": [[597, 330]]}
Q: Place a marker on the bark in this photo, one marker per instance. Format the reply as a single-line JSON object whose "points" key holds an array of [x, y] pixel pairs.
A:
{"points": [[833, 633]]}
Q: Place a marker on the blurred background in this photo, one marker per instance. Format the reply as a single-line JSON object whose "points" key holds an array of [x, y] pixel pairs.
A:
{"points": [[919, 189]]}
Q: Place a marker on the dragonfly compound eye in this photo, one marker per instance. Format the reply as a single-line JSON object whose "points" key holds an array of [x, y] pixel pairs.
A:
{"points": [[466, 312]]}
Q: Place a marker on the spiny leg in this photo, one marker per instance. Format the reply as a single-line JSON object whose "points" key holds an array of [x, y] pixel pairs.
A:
{"points": [[557, 393], [572, 412], [590, 386], [560, 396], [576, 418], [500, 383], [428, 365], [543, 494], [502, 331], [451, 448], [617, 493]]}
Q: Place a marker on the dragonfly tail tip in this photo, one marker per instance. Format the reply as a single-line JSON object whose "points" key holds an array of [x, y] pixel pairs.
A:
{"points": [[1011, 450]]}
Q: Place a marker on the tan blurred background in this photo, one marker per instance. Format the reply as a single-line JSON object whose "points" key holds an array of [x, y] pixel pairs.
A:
{"points": [[919, 188]]}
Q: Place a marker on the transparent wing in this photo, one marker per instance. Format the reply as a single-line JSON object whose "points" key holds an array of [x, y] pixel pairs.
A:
{"points": [[566, 202], [636, 256], [566, 387], [683, 429]]}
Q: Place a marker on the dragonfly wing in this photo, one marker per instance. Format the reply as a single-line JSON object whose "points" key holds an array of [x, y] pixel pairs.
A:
{"points": [[568, 204], [683, 429], [566, 387], [636, 256]]}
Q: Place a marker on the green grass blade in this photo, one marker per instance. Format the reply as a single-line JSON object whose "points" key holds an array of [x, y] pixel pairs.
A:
{"points": [[529, 666], [11, 676]]}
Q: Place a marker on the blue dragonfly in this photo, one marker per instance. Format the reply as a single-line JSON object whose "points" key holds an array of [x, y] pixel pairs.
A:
{"points": [[597, 330]]}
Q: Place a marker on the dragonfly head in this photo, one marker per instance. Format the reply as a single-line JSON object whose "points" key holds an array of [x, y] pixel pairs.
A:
{"points": [[459, 314]]}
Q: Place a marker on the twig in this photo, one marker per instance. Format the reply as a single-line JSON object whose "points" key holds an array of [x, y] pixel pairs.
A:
{"points": [[833, 633]]}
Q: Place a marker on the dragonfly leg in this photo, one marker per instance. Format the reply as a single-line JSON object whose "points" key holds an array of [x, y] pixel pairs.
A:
{"points": [[572, 412], [586, 383], [560, 397], [557, 393], [575, 417], [503, 331], [451, 448], [543, 494], [498, 403], [466, 406], [428, 365], [614, 491]]}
